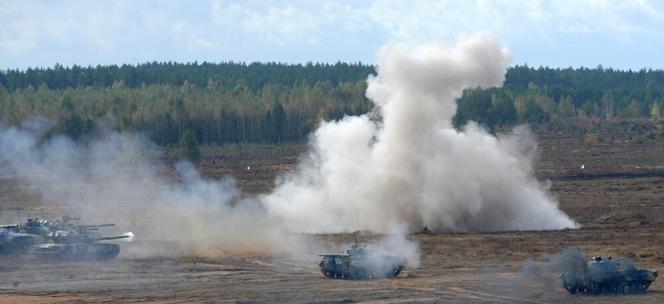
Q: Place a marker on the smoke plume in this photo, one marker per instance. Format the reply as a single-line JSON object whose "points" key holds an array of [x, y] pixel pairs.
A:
{"points": [[400, 168], [114, 179], [404, 163]]}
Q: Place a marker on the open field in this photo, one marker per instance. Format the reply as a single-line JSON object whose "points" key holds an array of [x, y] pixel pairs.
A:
{"points": [[618, 199]]}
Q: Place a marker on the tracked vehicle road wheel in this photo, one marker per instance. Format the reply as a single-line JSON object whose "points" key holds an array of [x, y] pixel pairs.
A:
{"points": [[626, 289]]}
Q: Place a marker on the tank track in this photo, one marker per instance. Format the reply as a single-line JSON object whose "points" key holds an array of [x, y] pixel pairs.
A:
{"points": [[633, 287], [360, 275]]}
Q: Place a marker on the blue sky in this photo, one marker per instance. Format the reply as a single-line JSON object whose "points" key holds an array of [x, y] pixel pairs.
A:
{"points": [[620, 34]]}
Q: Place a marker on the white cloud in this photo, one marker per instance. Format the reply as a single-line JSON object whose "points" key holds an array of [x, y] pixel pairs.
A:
{"points": [[609, 16], [424, 19], [285, 23], [80, 28], [33, 24], [446, 19], [27, 24]]}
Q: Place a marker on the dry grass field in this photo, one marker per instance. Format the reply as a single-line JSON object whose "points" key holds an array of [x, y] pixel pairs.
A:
{"points": [[618, 199]]}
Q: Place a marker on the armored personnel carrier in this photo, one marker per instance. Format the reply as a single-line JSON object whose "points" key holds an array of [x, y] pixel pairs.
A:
{"points": [[607, 276], [360, 264]]}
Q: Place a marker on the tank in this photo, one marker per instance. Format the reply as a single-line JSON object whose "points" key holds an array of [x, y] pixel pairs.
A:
{"points": [[90, 250], [58, 239], [18, 238], [80, 243], [360, 264], [12, 242], [608, 276]]}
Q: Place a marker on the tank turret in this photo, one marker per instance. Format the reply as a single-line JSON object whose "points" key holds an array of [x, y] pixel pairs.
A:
{"points": [[359, 263], [601, 275]]}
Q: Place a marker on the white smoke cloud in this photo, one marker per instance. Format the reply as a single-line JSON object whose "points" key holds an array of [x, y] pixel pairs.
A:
{"points": [[398, 169], [113, 179], [404, 163]]}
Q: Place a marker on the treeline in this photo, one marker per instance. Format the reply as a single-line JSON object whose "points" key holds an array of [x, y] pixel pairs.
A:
{"points": [[227, 75], [215, 115], [558, 99], [273, 103]]}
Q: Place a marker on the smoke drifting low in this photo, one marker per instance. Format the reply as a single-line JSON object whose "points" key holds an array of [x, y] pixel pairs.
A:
{"points": [[398, 169], [546, 272], [544, 276], [113, 179], [404, 164]]}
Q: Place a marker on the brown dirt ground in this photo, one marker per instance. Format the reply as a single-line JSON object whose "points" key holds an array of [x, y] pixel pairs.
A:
{"points": [[618, 199]]}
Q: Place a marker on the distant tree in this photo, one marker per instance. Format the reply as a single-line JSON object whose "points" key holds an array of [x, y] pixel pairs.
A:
{"points": [[656, 111], [566, 108], [547, 104], [608, 105], [73, 126], [189, 146], [476, 106], [279, 121], [520, 106], [502, 111], [534, 114], [635, 110], [588, 109]]}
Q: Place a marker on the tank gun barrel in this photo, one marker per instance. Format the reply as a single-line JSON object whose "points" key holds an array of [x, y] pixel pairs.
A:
{"points": [[106, 238], [9, 226], [96, 226]]}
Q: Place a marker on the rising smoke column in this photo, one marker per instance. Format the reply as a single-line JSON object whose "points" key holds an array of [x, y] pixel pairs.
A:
{"points": [[404, 164]]}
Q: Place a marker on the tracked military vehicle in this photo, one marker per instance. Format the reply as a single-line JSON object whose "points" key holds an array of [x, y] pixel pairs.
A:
{"points": [[58, 239], [360, 264], [12, 242], [19, 238], [77, 247], [608, 276]]}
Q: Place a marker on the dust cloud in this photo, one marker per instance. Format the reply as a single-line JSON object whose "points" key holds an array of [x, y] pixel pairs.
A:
{"points": [[113, 178], [398, 169], [545, 273], [404, 164]]}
